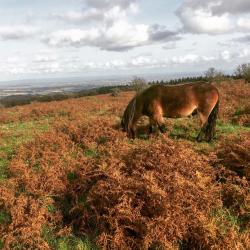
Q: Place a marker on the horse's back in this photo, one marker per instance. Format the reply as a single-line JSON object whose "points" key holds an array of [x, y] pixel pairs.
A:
{"points": [[177, 100]]}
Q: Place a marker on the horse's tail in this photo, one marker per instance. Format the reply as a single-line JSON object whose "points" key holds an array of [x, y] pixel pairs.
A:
{"points": [[211, 121], [128, 115]]}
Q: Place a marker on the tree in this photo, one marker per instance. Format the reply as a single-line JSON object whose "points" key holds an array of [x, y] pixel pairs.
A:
{"points": [[214, 75], [115, 92], [138, 84], [243, 71]]}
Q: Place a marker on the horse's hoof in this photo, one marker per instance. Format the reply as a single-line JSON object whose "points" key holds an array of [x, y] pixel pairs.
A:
{"points": [[199, 139]]}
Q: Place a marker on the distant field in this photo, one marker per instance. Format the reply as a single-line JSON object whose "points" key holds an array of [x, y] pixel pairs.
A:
{"points": [[71, 179]]}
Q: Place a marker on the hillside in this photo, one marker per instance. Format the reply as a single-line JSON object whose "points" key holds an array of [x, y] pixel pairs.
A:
{"points": [[71, 179]]}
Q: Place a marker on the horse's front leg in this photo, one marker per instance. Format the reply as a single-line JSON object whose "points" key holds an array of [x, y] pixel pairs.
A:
{"points": [[152, 125], [200, 136], [160, 123]]}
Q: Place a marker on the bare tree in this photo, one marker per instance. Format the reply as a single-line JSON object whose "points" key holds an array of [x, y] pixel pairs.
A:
{"points": [[243, 71], [214, 75], [138, 84]]}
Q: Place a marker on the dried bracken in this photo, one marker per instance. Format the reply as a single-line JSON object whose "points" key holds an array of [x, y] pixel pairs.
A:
{"points": [[84, 177]]}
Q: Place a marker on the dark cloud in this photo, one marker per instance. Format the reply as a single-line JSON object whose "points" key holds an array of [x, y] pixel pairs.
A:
{"points": [[106, 4], [243, 39], [232, 7], [161, 33]]}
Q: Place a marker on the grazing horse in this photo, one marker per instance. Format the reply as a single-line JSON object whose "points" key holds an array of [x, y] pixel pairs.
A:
{"points": [[174, 101]]}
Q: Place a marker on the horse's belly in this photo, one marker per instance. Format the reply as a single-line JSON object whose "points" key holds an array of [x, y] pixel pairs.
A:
{"points": [[181, 112]]}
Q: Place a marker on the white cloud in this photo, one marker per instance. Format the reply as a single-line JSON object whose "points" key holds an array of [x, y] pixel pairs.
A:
{"points": [[201, 21], [100, 11], [43, 64], [40, 58], [213, 16], [190, 58], [17, 32], [245, 53], [120, 36], [244, 23], [79, 16], [225, 55]]}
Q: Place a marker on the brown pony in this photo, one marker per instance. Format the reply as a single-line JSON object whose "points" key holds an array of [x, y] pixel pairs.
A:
{"points": [[174, 101]]}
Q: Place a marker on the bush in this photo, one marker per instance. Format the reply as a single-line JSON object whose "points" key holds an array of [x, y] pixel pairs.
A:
{"points": [[115, 92], [235, 155], [243, 71], [213, 75], [138, 84]]}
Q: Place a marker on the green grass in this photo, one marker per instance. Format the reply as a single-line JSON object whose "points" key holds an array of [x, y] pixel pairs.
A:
{"points": [[4, 217], [14, 134], [229, 128], [91, 153], [66, 242], [185, 129], [189, 130], [225, 220]]}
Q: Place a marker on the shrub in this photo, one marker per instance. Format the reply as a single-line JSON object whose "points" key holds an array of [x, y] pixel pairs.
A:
{"points": [[138, 84], [243, 71], [115, 92], [213, 75]]}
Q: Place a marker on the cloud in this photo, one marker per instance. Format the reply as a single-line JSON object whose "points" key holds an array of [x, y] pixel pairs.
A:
{"points": [[243, 39], [244, 24], [104, 4], [161, 33], [213, 16], [121, 36], [189, 58], [80, 16], [113, 30], [100, 11], [17, 32], [232, 7], [41, 58], [43, 63]]}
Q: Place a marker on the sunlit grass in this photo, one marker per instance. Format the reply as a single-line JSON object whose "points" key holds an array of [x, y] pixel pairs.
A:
{"points": [[12, 135]]}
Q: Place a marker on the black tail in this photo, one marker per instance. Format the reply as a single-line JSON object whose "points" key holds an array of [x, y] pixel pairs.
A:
{"points": [[211, 123], [128, 115]]}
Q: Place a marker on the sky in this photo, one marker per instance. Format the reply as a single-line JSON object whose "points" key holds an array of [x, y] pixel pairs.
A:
{"points": [[67, 38]]}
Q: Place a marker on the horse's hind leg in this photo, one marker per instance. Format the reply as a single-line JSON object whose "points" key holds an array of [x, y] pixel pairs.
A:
{"points": [[203, 119]]}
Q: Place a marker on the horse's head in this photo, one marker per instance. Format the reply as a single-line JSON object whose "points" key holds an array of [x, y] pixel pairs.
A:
{"points": [[128, 115], [123, 124]]}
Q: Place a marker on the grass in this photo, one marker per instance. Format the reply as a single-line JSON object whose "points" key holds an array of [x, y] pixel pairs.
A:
{"points": [[225, 220], [229, 128], [14, 134], [66, 243], [188, 130], [91, 153], [4, 217]]}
